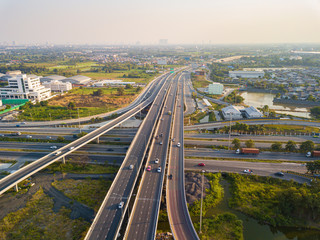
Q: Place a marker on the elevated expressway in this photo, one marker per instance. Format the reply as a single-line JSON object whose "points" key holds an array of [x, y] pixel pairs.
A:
{"points": [[144, 216], [23, 173], [108, 220], [178, 214]]}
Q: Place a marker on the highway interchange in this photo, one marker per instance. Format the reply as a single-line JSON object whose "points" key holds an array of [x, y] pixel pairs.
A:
{"points": [[166, 95]]}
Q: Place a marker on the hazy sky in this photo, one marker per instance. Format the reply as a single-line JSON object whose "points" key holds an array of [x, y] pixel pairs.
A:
{"points": [[147, 21]]}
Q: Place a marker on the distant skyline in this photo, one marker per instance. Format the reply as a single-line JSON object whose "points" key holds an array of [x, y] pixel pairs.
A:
{"points": [[146, 22]]}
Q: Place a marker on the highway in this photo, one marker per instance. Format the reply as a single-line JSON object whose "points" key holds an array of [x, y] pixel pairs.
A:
{"points": [[213, 125], [258, 168], [23, 173], [178, 214], [107, 222], [144, 216]]}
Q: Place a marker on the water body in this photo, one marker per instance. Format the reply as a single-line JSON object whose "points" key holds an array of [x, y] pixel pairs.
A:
{"points": [[261, 99], [253, 230]]}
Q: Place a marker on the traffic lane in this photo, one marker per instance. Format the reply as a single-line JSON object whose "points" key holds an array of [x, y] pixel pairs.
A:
{"points": [[258, 168], [282, 156], [244, 137], [48, 147]]}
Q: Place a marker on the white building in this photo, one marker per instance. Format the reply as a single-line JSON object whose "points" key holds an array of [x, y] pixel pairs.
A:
{"points": [[252, 112], [52, 78], [215, 88], [23, 87], [77, 80], [58, 86], [162, 62], [231, 112], [246, 74], [111, 82]]}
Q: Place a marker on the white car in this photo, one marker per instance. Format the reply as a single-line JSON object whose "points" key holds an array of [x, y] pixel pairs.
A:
{"points": [[178, 145], [29, 136], [160, 143], [131, 167], [57, 153], [247, 171], [70, 148], [159, 169], [121, 205], [53, 147], [157, 160]]}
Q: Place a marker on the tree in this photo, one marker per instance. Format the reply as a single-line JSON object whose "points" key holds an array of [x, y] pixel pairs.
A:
{"points": [[311, 98], [249, 143], [138, 89], [291, 146], [129, 86], [71, 105], [315, 112], [98, 93], [8, 107], [236, 142], [44, 103], [276, 146], [79, 135], [120, 91], [307, 146], [60, 139], [313, 167], [278, 95], [294, 97]]}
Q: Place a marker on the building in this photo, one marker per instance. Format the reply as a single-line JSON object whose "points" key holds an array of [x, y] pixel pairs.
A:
{"points": [[162, 62], [111, 82], [23, 87], [15, 72], [58, 86], [231, 112], [246, 74], [52, 78], [215, 88], [77, 80], [252, 112]]}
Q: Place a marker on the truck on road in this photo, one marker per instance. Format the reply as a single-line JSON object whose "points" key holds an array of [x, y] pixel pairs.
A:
{"points": [[313, 154], [254, 151]]}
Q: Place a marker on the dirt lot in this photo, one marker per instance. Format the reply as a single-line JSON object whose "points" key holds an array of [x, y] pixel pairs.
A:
{"points": [[193, 186]]}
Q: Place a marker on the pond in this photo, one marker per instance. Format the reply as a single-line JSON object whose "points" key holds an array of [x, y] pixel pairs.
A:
{"points": [[261, 99], [254, 230]]}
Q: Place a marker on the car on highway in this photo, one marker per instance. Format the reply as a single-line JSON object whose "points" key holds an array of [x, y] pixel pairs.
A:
{"points": [[121, 205], [48, 137], [160, 143], [247, 171], [131, 167], [178, 145], [159, 169], [29, 136], [57, 153], [157, 160], [1, 135], [23, 123], [149, 168], [201, 164], [53, 147], [179, 105], [161, 119], [70, 148], [173, 139], [279, 174], [170, 176], [18, 125]]}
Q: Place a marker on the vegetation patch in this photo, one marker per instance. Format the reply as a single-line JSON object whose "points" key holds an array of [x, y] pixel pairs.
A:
{"points": [[276, 202], [38, 221], [88, 191]]}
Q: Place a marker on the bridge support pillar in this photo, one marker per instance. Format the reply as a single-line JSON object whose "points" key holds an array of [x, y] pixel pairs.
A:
{"points": [[16, 188], [63, 160], [98, 140]]}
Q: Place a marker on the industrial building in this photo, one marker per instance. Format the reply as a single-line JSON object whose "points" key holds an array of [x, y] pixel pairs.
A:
{"points": [[246, 74], [215, 88], [52, 78], [252, 112], [77, 80], [231, 112]]}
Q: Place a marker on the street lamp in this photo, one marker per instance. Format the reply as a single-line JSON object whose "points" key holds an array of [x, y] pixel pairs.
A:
{"points": [[230, 130], [203, 171]]}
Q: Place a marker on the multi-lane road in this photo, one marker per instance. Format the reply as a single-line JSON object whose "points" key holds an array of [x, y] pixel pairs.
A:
{"points": [[178, 214], [143, 220]]}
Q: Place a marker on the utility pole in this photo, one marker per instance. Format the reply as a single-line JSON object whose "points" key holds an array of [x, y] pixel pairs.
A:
{"points": [[230, 130], [203, 171]]}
